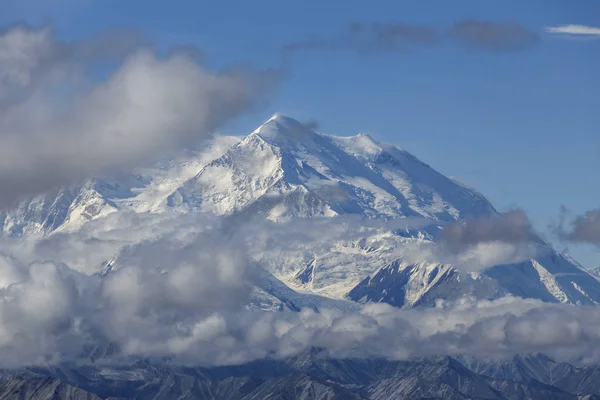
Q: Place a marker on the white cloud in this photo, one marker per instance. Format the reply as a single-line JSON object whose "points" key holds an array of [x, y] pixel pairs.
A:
{"points": [[59, 124], [579, 30], [182, 283]]}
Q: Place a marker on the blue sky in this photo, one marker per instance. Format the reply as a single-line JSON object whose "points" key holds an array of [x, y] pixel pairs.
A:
{"points": [[521, 127]]}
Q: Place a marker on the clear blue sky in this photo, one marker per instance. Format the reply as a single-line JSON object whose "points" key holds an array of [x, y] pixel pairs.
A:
{"points": [[523, 128]]}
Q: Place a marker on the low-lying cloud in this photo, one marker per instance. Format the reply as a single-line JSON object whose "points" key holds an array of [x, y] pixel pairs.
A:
{"points": [[180, 283], [59, 123], [512, 227], [480, 243]]}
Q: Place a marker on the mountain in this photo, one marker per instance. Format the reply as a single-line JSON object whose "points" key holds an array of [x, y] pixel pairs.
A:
{"points": [[281, 169], [401, 284], [314, 375], [285, 173], [551, 277], [326, 221], [69, 208], [41, 388], [284, 170]]}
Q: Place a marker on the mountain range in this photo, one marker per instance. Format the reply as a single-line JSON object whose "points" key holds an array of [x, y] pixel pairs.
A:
{"points": [[313, 375]]}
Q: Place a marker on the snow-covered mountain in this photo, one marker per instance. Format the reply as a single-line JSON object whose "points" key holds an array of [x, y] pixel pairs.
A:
{"points": [[551, 277], [283, 172]]}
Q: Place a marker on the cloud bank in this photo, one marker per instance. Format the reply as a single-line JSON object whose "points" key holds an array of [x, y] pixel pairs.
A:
{"points": [[181, 283], [60, 123]]}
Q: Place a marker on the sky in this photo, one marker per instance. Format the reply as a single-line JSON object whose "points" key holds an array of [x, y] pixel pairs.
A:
{"points": [[519, 123]]}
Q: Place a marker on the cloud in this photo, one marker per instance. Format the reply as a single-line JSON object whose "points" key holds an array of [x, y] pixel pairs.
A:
{"points": [[369, 38], [312, 124], [582, 229], [164, 287], [59, 124], [378, 37], [494, 36], [480, 243], [575, 30], [512, 227], [180, 285]]}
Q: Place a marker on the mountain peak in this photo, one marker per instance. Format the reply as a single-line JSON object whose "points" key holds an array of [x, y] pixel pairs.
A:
{"points": [[282, 119], [280, 129]]}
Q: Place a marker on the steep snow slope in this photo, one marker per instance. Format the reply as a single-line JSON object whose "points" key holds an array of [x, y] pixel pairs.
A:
{"points": [[146, 190], [550, 277], [284, 170], [421, 284], [594, 272]]}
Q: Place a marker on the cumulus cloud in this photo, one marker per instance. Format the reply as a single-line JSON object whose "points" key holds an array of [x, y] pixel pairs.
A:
{"points": [[189, 316], [379, 37], [180, 283], [165, 288], [60, 125], [581, 229], [575, 30]]}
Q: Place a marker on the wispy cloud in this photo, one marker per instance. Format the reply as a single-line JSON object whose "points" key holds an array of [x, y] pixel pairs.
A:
{"points": [[394, 37], [575, 30], [499, 37], [368, 38]]}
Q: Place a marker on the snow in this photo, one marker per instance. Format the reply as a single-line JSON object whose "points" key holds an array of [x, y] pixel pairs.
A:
{"points": [[550, 283], [286, 172]]}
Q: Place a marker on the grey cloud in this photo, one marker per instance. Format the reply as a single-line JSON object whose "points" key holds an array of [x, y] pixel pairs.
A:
{"points": [[391, 36], [377, 37], [369, 38], [480, 243], [512, 227], [494, 36], [583, 228], [31, 57], [59, 125], [312, 124]]}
